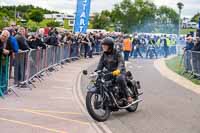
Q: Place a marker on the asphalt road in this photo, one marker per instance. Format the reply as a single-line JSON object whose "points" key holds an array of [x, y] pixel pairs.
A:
{"points": [[167, 107]]}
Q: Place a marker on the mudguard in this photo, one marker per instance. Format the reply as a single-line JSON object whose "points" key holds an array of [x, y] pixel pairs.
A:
{"points": [[92, 89]]}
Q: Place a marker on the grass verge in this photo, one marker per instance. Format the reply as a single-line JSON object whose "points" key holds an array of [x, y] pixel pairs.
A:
{"points": [[187, 31], [176, 65]]}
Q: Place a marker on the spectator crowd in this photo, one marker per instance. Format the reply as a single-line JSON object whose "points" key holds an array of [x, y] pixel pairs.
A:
{"points": [[15, 40]]}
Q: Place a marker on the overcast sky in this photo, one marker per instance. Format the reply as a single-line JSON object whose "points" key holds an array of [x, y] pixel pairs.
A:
{"points": [[191, 6]]}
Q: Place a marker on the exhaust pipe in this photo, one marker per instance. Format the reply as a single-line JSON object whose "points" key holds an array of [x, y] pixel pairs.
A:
{"points": [[140, 94], [134, 102]]}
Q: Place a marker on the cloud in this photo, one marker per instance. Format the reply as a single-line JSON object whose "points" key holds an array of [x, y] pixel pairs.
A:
{"points": [[191, 6]]}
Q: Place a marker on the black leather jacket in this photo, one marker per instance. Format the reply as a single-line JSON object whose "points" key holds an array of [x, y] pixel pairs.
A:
{"points": [[112, 61]]}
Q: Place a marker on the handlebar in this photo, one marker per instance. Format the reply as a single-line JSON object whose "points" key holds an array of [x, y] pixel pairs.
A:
{"points": [[99, 72]]}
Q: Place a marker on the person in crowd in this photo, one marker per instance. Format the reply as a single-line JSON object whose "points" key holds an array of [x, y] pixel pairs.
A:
{"points": [[12, 41], [21, 39], [53, 38], [165, 42], [74, 45], [40, 42], [127, 47], [32, 42], [21, 58], [85, 42], [151, 48], [189, 43], [187, 53], [119, 44], [143, 44], [196, 57], [137, 45], [35, 42], [5, 50], [97, 42], [91, 45], [196, 45], [160, 45]]}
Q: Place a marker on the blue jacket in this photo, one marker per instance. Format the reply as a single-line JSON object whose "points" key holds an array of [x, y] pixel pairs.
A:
{"points": [[13, 41], [189, 46]]}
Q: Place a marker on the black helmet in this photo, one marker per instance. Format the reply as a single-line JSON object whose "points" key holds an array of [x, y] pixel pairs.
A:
{"points": [[108, 41]]}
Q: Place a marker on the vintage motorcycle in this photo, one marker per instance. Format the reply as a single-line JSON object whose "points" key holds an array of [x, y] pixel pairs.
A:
{"points": [[104, 95]]}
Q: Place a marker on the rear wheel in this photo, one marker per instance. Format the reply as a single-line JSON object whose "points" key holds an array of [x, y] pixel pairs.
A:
{"points": [[134, 93], [96, 108]]}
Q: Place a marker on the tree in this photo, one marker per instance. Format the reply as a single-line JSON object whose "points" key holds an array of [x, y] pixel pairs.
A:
{"points": [[3, 24], [102, 20], [133, 16], [53, 24], [146, 12], [33, 26], [167, 20], [139, 16], [195, 18], [125, 13], [36, 16], [3, 20]]}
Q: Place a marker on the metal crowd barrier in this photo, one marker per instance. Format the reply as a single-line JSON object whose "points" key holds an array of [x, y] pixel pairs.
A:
{"points": [[195, 57], [4, 74], [20, 66], [179, 49], [187, 61], [192, 62], [31, 64]]}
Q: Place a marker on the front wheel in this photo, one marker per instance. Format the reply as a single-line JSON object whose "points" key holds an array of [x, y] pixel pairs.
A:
{"points": [[96, 107]]}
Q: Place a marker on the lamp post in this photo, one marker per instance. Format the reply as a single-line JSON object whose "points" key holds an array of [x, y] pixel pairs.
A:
{"points": [[180, 7], [15, 13]]}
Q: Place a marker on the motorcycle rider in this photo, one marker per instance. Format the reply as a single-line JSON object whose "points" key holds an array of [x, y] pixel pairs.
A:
{"points": [[114, 62]]}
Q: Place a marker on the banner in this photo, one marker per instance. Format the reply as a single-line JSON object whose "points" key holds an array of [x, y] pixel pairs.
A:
{"points": [[199, 23], [82, 16]]}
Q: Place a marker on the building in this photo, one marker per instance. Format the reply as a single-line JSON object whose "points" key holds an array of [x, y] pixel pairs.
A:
{"points": [[61, 16], [187, 23]]}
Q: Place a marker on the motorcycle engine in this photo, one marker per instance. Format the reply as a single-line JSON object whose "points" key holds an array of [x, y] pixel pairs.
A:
{"points": [[116, 91]]}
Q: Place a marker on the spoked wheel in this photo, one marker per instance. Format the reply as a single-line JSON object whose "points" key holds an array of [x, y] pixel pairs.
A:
{"points": [[134, 93], [96, 108]]}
